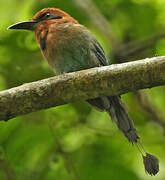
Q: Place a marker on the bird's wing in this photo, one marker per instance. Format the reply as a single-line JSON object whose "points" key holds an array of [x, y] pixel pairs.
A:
{"points": [[99, 53]]}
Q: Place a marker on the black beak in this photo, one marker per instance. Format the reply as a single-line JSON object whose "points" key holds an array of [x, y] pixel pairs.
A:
{"points": [[27, 25]]}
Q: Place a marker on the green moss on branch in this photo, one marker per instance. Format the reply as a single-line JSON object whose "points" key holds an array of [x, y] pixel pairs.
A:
{"points": [[81, 85]]}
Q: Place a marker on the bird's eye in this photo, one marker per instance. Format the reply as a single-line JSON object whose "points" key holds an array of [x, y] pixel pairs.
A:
{"points": [[43, 16], [47, 15]]}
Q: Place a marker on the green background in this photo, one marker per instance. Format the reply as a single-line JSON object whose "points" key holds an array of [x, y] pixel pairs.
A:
{"points": [[74, 141]]}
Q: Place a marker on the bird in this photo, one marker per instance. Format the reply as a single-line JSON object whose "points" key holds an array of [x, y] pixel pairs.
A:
{"points": [[69, 46]]}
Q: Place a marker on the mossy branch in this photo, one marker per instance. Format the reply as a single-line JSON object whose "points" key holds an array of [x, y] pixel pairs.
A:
{"points": [[91, 83]]}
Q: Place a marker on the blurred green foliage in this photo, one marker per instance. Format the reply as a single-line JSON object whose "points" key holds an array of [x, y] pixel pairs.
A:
{"points": [[76, 141]]}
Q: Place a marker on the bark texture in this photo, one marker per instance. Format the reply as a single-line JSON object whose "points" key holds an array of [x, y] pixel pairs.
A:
{"points": [[87, 84]]}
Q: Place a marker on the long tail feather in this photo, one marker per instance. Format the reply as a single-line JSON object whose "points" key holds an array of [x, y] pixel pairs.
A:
{"points": [[119, 115]]}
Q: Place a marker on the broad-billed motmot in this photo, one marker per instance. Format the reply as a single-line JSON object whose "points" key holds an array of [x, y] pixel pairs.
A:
{"points": [[69, 46]]}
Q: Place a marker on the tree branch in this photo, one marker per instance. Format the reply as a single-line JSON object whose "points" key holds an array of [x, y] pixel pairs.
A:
{"points": [[148, 107], [132, 49], [91, 83]]}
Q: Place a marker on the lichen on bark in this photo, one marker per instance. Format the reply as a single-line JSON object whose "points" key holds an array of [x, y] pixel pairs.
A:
{"points": [[91, 83]]}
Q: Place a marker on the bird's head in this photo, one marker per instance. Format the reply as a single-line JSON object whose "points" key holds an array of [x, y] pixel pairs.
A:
{"points": [[44, 17]]}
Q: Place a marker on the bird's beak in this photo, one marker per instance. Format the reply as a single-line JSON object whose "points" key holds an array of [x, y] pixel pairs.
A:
{"points": [[27, 25]]}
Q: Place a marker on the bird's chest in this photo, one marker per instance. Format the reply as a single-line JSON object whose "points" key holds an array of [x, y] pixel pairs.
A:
{"points": [[67, 50]]}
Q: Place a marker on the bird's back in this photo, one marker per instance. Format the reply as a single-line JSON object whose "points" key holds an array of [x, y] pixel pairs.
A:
{"points": [[71, 47]]}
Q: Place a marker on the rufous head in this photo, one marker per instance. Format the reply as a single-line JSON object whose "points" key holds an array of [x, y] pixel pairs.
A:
{"points": [[46, 16]]}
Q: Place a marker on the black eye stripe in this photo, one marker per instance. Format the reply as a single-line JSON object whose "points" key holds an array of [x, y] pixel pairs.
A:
{"points": [[47, 16], [56, 17], [42, 16]]}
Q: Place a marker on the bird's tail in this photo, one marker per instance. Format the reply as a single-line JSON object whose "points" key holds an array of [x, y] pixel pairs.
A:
{"points": [[118, 112], [119, 115]]}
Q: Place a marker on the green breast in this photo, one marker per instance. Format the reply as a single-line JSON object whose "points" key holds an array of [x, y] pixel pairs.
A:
{"points": [[71, 51]]}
